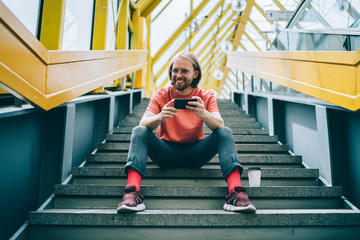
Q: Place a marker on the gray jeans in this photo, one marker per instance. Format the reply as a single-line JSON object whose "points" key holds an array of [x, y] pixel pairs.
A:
{"points": [[182, 155]]}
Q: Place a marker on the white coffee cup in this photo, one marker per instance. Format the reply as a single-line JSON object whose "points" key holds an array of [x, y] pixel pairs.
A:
{"points": [[254, 174]]}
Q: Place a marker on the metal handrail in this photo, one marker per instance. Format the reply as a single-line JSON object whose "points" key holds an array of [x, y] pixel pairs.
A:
{"points": [[334, 31]]}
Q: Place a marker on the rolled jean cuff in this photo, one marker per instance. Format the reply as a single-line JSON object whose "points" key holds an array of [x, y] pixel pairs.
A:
{"points": [[134, 166], [231, 168]]}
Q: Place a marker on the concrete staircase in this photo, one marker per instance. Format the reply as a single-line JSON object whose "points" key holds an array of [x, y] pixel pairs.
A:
{"points": [[292, 202]]}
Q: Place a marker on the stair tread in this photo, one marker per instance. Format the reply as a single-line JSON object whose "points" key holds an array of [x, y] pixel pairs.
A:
{"points": [[244, 158], [205, 172], [237, 138], [198, 218], [244, 147], [195, 191]]}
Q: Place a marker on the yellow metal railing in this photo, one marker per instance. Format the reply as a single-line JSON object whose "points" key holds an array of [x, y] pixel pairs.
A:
{"points": [[50, 78], [331, 76]]}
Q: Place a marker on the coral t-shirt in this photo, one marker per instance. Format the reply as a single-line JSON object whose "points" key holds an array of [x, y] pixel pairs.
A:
{"points": [[186, 127]]}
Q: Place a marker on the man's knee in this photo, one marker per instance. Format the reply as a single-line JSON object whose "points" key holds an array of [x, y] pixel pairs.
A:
{"points": [[140, 130], [224, 132]]}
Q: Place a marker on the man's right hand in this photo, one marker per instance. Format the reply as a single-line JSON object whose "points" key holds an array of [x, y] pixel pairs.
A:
{"points": [[152, 121], [168, 111]]}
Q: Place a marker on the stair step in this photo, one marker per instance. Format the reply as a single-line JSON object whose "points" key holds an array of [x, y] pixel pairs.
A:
{"points": [[197, 218], [201, 233], [182, 191], [253, 125], [114, 146], [244, 158], [235, 130], [111, 159], [165, 197], [223, 112], [237, 138], [204, 172], [132, 117]]}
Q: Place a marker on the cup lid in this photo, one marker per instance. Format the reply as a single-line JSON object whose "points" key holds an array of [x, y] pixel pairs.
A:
{"points": [[254, 168]]}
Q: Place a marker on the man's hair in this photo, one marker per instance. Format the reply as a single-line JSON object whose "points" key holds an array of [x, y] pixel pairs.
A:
{"points": [[195, 62]]}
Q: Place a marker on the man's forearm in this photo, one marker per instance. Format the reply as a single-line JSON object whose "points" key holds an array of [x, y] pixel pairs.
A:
{"points": [[212, 120], [151, 122]]}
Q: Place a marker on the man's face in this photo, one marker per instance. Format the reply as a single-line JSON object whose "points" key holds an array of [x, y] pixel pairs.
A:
{"points": [[182, 74]]}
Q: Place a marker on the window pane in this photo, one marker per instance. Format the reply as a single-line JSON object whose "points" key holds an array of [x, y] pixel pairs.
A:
{"points": [[167, 23], [111, 15], [27, 11], [78, 25]]}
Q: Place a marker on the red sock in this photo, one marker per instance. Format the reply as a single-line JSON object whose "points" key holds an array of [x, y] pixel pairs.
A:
{"points": [[233, 180], [134, 178]]}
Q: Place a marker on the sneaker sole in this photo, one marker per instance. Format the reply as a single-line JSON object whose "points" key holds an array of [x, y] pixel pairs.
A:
{"points": [[246, 209], [125, 208]]}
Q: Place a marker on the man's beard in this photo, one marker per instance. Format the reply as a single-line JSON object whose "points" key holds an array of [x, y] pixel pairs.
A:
{"points": [[187, 83]]}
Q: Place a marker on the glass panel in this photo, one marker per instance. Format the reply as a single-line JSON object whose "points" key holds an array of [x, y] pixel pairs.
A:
{"points": [[26, 11], [158, 8], [166, 24], [169, 52], [78, 25], [111, 16], [204, 29], [332, 14], [161, 79]]}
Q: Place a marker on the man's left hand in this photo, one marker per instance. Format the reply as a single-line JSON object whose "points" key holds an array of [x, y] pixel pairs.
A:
{"points": [[197, 107], [213, 120]]}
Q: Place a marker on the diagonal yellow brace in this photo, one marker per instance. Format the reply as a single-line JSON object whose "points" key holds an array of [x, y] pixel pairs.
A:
{"points": [[177, 33], [145, 12], [52, 24], [252, 41], [239, 31], [184, 45]]}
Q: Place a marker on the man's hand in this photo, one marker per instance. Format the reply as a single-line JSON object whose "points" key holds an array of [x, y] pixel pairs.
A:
{"points": [[212, 120], [168, 111], [196, 107], [152, 121]]}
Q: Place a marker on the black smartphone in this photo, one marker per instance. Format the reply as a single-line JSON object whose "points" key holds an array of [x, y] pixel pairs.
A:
{"points": [[180, 103]]}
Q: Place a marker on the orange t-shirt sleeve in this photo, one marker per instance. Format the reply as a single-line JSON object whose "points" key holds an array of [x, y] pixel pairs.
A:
{"points": [[211, 103], [157, 102]]}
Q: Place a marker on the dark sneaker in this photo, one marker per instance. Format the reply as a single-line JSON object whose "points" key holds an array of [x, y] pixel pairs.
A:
{"points": [[133, 201], [238, 201]]}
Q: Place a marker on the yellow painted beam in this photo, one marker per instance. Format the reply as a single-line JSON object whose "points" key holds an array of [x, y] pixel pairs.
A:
{"points": [[131, 26], [100, 23], [143, 4], [122, 25], [132, 5], [52, 24], [3, 91], [331, 76], [177, 33], [150, 84], [50, 78], [145, 12], [241, 26], [136, 37], [137, 43], [238, 33]]}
